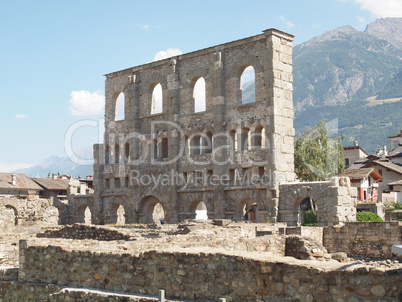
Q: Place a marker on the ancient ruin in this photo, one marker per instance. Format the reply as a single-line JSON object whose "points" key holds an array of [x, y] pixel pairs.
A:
{"points": [[232, 156], [168, 156]]}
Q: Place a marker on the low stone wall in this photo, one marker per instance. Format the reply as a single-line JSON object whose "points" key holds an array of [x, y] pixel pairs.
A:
{"points": [[208, 276], [82, 231], [371, 239]]}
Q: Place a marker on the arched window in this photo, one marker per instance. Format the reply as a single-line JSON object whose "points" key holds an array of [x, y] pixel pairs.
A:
{"points": [[127, 152], [259, 138], [196, 145], [247, 85], [233, 142], [245, 139], [155, 149], [119, 113], [164, 148], [117, 154], [206, 143], [107, 154], [157, 101], [199, 95]]}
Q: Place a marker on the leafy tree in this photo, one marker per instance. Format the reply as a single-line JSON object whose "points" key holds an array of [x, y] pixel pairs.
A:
{"points": [[318, 157], [367, 216]]}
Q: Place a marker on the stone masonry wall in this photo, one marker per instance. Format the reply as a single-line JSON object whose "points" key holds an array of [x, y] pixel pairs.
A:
{"points": [[82, 231], [206, 276], [372, 239]]}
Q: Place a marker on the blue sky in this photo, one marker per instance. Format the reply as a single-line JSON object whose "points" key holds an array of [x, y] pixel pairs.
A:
{"points": [[53, 54]]}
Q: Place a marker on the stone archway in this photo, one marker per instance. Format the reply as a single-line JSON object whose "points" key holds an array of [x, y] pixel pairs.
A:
{"points": [[247, 210], [150, 209], [306, 204], [84, 215], [116, 214], [199, 210], [9, 216]]}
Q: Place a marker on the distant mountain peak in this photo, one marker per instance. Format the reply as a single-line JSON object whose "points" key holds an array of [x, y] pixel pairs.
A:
{"points": [[389, 29]]}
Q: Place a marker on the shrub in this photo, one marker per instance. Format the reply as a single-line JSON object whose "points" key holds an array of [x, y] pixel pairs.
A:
{"points": [[310, 218], [367, 216], [393, 206]]}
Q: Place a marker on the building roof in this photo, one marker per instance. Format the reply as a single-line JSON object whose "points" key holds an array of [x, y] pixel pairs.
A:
{"points": [[389, 165], [396, 135], [397, 152], [22, 182], [355, 147], [52, 184], [361, 173], [396, 183]]}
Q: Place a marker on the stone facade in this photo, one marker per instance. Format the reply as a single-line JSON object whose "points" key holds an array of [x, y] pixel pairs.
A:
{"points": [[199, 147]]}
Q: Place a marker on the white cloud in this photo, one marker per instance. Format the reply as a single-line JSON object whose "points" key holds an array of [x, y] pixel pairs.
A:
{"points": [[383, 8], [86, 103], [9, 167], [170, 52], [288, 23], [145, 26], [22, 116]]}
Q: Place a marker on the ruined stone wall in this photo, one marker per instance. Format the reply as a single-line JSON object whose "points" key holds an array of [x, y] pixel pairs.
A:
{"points": [[21, 211], [124, 155], [204, 276], [371, 239], [335, 201], [81, 231]]}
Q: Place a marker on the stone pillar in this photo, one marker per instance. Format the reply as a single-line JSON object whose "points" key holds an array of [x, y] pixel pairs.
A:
{"points": [[174, 135], [279, 129], [98, 182], [218, 105]]}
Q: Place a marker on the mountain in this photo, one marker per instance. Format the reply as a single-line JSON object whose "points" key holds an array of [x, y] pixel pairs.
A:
{"points": [[62, 165], [342, 65], [354, 77], [388, 29], [392, 89]]}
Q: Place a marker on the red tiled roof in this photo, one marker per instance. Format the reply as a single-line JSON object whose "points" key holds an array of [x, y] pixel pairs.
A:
{"points": [[52, 184], [22, 182]]}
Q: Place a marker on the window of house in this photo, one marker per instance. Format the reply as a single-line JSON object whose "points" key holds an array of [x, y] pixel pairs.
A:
{"points": [[346, 162]]}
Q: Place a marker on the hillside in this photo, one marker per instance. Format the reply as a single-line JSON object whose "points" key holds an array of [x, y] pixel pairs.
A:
{"points": [[342, 65]]}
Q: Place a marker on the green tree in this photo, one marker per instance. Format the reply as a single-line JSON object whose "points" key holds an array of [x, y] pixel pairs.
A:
{"points": [[318, 156]]}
